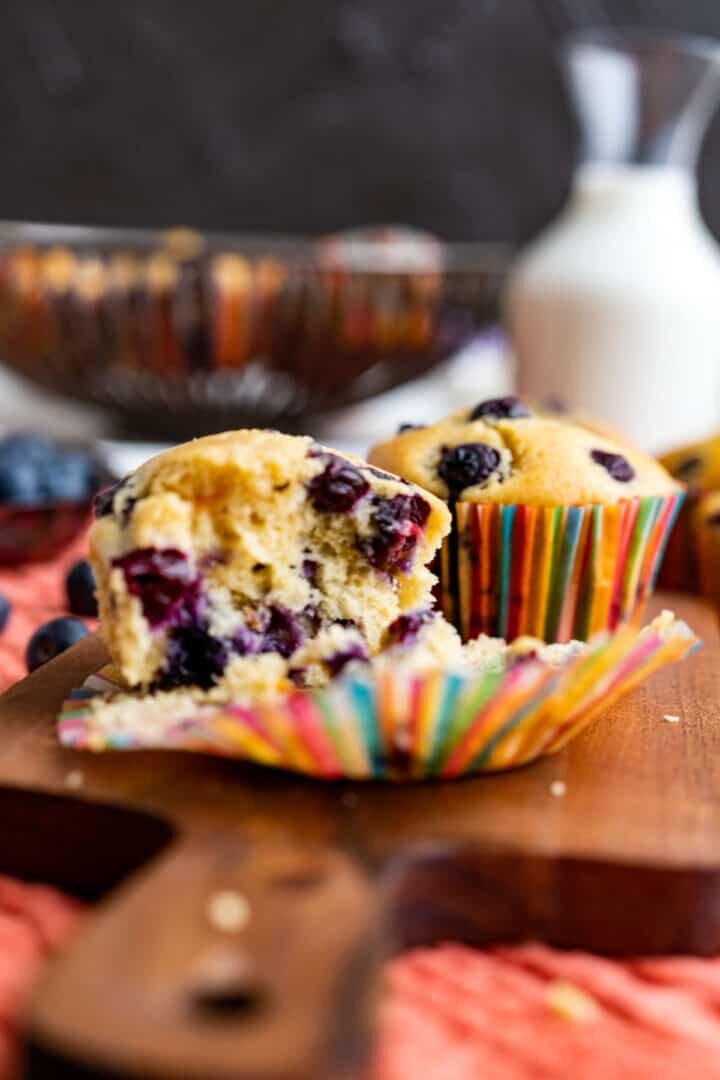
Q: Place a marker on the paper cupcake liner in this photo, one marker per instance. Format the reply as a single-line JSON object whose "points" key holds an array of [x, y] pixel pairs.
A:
{"points": [[556, 573], [393, 725], [679, 570]]}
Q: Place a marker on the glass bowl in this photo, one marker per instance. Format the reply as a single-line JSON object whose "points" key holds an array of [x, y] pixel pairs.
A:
{"points": [[37, 531], [177, 332]]}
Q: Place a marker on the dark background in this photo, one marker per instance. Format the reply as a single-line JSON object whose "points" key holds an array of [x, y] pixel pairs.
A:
{"points": [[302, 115]]}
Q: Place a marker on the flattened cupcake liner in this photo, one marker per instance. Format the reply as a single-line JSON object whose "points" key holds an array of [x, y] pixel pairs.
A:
{"points": [[557, 572], [391, 724]]}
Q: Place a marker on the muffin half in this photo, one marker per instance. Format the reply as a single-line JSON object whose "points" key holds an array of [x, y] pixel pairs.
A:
{"points": [[252, 557]]}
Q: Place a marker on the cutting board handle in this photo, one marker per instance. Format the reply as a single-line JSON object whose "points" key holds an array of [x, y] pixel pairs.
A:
{"points": [[223, 958]]}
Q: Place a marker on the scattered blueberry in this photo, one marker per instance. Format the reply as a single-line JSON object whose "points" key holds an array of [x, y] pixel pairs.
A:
{"points": [[5, 609], [466, 465], [53, 638], [80, 589], [504, 408], [338, 660], [616, 465], [194, 658], [339, 487], [409, 427], [163, 582], [405, 629], [398, 523]]}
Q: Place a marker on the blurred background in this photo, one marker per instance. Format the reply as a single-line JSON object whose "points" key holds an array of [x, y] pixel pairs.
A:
{"points": [[448, 115], [269, 122]]}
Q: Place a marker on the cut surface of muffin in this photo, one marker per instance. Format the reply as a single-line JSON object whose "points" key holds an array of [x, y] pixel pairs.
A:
{"points": [[240, 552]]}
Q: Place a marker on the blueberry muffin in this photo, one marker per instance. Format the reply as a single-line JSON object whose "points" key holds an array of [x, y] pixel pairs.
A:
{"points": [[705, 521], [697, 465], [558, 529], [252, 557]]}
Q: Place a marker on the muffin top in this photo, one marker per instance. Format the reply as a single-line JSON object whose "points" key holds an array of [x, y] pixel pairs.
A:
{"points": [[696, 465], [499, 451]]}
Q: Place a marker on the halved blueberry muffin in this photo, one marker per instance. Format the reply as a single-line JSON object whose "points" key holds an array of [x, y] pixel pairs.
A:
{"points": [[253, 557]]}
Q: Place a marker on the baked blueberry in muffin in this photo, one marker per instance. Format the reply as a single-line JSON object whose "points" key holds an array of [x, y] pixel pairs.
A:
{"points": [[254, 551]]}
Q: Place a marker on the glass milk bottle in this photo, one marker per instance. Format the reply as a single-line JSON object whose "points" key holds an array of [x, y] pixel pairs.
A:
{"points": [[615, 308]]}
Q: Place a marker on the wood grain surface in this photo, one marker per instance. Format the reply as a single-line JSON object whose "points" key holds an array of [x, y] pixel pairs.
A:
{"points": [[331, 877]]}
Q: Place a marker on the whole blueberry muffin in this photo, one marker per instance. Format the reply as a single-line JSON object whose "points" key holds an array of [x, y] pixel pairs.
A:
{"points": [[558, 529], [705, 514], [252, 557], [686, 567]]}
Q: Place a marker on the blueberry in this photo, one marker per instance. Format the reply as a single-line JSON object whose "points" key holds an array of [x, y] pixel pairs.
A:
{"points": [[194, 658], [283, 633], [713, 520], [405, 629], [504, 408], [337, 661], [33, 470], [5, 609], [80, 589], [397, 527], [309, 569], [271, 629], [338, 488], [53, 638], [163, 582], [466, 465], [20, 483], [27, 448], [616, 465], [69, 478]]}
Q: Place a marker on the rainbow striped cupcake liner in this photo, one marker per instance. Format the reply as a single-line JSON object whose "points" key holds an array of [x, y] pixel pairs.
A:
{"points": [[557, 572], [391, 724]]}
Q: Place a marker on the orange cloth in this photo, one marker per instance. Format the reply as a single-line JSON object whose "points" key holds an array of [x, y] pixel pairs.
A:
{"points": [[454, 1013], [34, 921], [450, 1013], [37, 593]]}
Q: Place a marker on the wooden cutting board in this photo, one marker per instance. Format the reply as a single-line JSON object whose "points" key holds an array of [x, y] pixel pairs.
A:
{"points": [[244, 913]]}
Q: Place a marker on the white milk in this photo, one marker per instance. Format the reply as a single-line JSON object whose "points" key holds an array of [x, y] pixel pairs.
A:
{"points": [[616, 306]]}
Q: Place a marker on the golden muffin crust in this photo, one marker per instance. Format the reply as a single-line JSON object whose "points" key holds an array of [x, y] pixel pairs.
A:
{"points": [[536, 460]]}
